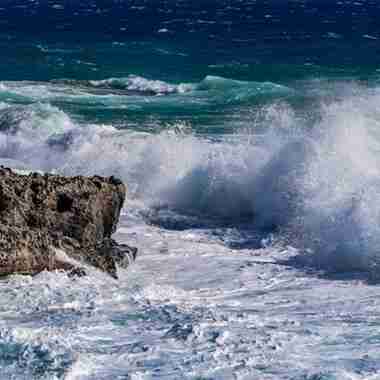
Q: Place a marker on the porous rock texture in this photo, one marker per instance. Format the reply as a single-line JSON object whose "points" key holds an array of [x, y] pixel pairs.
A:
{"points": [[50, 222]]}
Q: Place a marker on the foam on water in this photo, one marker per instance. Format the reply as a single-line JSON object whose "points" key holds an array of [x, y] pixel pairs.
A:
{"points": [[189, 308], [317, 184], [257, 173], [340, 208], [139, 92], [220, 221], [138, 83]]}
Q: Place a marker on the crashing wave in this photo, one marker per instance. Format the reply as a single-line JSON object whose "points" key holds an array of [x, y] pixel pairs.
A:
{"points": [[39, 135], [317, 186]]}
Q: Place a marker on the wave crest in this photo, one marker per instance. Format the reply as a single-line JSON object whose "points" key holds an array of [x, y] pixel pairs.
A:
{"points": [[317, 186], [141, 84]]}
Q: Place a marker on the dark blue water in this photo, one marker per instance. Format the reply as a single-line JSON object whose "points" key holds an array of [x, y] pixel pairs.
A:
{"points": [[280, 42], [268, 34]]}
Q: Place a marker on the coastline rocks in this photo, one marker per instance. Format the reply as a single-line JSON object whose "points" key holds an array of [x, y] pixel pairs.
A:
{"points": [[50, 222]]}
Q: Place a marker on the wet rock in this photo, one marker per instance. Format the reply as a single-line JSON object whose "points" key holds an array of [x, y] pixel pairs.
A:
{"points": [[50, 222]]}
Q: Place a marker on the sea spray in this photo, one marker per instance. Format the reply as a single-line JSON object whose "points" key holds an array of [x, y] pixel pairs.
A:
{"points": [[314, 183]]}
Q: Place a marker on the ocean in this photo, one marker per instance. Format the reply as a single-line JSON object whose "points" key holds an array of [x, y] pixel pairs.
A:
{"points": [[248, 135]]}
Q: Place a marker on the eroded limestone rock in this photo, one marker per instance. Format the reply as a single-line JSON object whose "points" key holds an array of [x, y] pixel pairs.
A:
{"points": [[55, 222]]}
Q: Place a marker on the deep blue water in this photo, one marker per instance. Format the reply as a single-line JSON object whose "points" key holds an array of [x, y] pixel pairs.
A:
{"points": [[283, 42], [276, 41]]}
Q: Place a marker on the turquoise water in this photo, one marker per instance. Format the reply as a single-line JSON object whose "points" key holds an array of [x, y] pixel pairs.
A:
{"points": [[248, 135]]}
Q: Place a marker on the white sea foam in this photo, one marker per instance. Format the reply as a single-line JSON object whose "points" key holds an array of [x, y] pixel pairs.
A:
{"points": [[317, 184], [191, 306], [138, 83], [113, 92]]}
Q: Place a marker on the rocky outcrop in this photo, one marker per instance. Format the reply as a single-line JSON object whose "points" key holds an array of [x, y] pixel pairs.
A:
{"points": [[52, 222]]}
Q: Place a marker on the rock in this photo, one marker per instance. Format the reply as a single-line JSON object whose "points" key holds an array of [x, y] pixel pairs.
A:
{"points": [[50, 222]]}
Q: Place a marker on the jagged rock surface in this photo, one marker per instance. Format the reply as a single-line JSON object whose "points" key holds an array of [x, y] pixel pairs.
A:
{"points": [[54, 222]]}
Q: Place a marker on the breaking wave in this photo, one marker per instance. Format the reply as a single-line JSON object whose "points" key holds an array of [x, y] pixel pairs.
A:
{"points": [[144, 85], [133, 90], [37, 136], [317, 186]]}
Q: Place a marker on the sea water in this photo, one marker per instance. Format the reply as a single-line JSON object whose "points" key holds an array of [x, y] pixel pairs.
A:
{"points": [[248, 134]]}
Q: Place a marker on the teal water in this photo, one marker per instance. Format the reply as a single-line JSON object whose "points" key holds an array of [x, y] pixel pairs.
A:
{"points": [[289, 44]]}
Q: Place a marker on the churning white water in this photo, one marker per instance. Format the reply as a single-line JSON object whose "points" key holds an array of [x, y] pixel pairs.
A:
{"points": [[258, 251]]}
